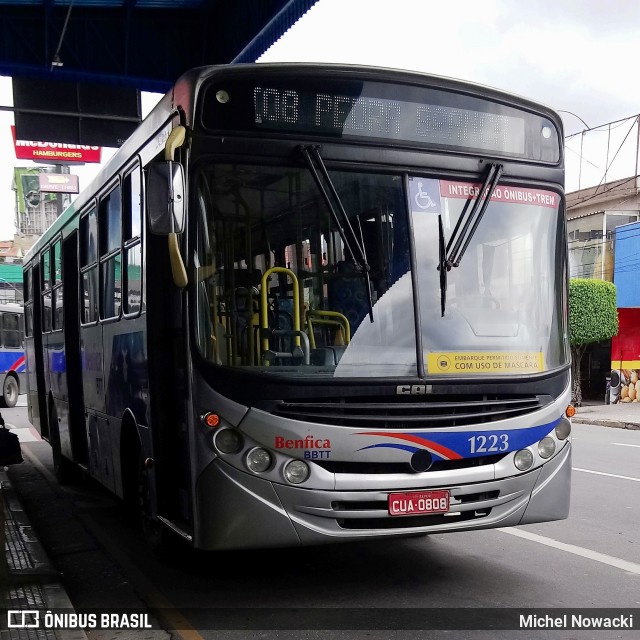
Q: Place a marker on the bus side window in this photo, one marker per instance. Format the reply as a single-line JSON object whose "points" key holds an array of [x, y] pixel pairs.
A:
{"points": [[11, 334], [110, 238], [132, 242], [89, 267], [46, 290], [57, 296]]}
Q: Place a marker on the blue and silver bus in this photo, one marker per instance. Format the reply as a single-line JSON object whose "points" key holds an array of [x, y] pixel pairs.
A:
{"points": [[313, 303]]}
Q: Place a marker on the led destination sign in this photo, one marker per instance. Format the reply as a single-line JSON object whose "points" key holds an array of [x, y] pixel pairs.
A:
{"points": [[379, 118], [381, 111]]}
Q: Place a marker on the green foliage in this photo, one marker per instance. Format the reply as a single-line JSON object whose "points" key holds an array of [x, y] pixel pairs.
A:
{"points": [[593, 314]]}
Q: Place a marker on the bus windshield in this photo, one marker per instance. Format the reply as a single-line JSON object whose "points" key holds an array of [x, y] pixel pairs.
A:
{"points": [[279, 290]]}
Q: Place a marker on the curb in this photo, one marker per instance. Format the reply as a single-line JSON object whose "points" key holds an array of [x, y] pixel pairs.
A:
{"points": [[615, 424]]}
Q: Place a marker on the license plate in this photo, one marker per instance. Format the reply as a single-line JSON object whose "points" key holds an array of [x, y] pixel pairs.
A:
{"points": [[418, 503]]}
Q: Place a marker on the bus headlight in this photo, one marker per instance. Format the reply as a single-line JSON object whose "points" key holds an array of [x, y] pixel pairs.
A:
{"points": [[546, 447], [296, 471], [523, 459], [563, 429], [227, 441], [258, 460]]}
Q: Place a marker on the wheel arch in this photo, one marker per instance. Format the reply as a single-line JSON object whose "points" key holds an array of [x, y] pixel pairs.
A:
{"points": [[14, 374]]}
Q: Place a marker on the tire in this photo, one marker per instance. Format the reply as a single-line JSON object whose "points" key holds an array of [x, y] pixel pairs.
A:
{"points": [[10, 392], [136, 490]]}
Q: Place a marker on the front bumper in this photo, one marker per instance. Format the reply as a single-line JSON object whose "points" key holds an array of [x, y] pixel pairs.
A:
{"points": [[239, 510]]}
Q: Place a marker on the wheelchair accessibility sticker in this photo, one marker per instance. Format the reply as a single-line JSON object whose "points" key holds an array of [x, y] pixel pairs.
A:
{"points": [[424, 195]]}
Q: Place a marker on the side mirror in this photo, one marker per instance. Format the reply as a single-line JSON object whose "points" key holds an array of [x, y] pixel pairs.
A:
{"points": [[165, 198]]}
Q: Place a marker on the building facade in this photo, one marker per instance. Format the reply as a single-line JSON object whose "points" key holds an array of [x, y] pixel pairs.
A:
{"points": [[35, 210], [603, 226]]}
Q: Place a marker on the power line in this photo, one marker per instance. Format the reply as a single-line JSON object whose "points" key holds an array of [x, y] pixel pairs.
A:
{"points": [[600, 127], [597, 195], [576, 116], [635, 120]]}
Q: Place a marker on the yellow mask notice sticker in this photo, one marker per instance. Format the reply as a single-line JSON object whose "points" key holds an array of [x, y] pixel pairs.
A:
{"points": [[485, 362]]}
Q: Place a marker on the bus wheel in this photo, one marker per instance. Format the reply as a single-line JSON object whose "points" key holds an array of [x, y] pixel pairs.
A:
{"points": [[64, 470], [158, 537], [10, 391]]}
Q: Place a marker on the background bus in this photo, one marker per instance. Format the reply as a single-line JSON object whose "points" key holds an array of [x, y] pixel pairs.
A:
{"points": [[12, 359], [307, 304]]}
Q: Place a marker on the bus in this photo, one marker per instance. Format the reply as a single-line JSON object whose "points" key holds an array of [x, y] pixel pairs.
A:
{"points": [[12, 359], [311, 303]]}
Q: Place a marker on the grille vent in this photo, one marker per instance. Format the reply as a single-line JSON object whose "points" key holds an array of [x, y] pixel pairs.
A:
{"points": [[399, 412], [370, 468]]}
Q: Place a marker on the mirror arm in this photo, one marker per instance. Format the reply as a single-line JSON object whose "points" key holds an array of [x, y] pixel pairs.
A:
{"points": [[178, 270], [176, 139]]}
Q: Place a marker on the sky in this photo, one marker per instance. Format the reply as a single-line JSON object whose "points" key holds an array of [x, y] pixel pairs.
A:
{"points": [[577, 56]]}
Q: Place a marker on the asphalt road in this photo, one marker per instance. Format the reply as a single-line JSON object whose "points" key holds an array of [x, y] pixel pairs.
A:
{"points": [[590, 561]]}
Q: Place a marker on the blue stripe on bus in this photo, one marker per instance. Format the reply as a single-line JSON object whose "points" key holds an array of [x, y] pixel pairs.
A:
{"points": [[12, 360], [447, 445]]}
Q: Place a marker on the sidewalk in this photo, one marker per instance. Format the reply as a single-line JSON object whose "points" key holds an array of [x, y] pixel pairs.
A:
{"points": [[620, 416], [28, 580]]}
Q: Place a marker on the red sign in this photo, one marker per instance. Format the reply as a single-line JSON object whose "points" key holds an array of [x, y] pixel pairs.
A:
{"points": [[502, 193], [54, 151]]}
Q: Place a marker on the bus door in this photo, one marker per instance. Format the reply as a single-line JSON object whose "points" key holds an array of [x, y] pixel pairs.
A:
{"points": [[72, 350], [167, 362], [166, 381], [37, 391]]}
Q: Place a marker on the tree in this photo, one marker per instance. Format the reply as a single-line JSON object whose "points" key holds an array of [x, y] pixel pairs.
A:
{"points": [[593, 316]]}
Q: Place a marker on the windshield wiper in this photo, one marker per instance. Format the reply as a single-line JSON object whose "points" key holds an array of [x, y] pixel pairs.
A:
{"points": [[464, 230], [354, 245], [442, 258]]}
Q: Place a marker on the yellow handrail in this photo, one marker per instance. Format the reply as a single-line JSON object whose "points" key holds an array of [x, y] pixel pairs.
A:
{"points": [[264, 306], [328, 317]]}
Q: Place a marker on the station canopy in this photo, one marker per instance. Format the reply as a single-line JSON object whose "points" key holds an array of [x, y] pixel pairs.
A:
{"points": [[55, 49], [146, 44]]}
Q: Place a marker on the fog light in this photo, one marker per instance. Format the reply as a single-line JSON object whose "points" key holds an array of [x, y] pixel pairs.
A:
{"points": [[258, 460], [546, 447], [563, 429], [227, 441], [296, 471], [523, 459]]}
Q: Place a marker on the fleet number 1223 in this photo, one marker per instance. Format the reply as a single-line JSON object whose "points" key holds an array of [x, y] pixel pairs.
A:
{"points": [[492, 443]]}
